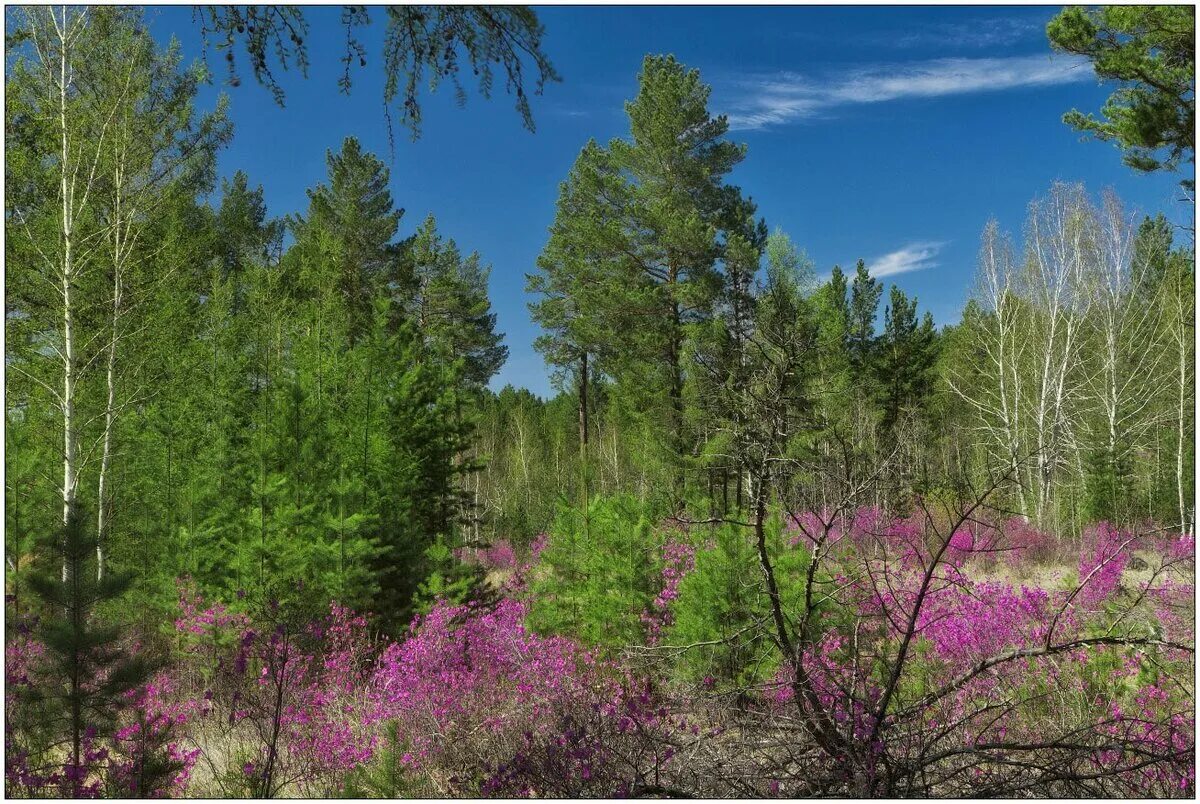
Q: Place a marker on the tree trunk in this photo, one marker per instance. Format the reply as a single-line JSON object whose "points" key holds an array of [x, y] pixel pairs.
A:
{"points": [[583, 442], [109, 414], [70, 444], [1182, 438]]}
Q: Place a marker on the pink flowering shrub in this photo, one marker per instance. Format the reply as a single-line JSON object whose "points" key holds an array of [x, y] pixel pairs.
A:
{"points": [[288, 694], [155, 758], [1105, 554], [899, 652], [145, 755], [1025, 544], [678, 559], [469, 680], [979, 663], [26, 771], [620, 741], [469, 690], [807, 527], [501, 555]]}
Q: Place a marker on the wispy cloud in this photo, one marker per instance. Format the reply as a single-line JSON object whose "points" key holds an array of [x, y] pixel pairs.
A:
{"points": [[787, 97], [975, 34], [912, 257]]}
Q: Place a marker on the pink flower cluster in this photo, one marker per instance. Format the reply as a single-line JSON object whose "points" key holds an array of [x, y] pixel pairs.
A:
{"points": [[470, 670], [197, 620], [958, 623], [803, 528], [157, 724], [303, 682], [679, 558], [612, 743], [1102, 561], [1024, 544], [499, 555]]}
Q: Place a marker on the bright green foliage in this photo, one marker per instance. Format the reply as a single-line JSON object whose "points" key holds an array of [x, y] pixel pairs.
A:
{"points": [[723, 601], [418, 476], [139, 153], [632, 262], [281, 425], [832, 313], [21, 497], [719, 602], [578, 288], [907, 354], [531, 450], [448, 578], [784, 258], [1151, 50], [385, 775], [677, 208], [579, 270], [596, 584], [344, 245]]}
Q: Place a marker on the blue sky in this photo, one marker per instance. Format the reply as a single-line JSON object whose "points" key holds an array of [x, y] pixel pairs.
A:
{"points": [[890, 134]]}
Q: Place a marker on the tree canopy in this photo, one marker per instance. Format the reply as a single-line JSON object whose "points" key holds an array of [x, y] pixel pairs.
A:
{"points": [[1151, 51]]}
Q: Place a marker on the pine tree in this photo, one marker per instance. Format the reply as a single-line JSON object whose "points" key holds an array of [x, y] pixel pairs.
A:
{"points": [[572, 284], [906, 356], [419, 472], [597, 584], [451, 309], [832, 311], [664, 192], [450, 306], [865, 294], [675, 164], [247, 245], [722, 598], [345, 244], [89, 666]]}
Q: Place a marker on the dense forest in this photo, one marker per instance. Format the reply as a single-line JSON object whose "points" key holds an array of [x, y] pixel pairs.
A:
{"points": [[269, 530]]}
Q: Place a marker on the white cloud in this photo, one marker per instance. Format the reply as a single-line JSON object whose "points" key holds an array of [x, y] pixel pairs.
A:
{"points": [[788, 96], [977, 33], [912, 257]]}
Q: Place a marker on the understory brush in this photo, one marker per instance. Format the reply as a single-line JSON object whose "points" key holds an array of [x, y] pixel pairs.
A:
{"points": [[901, 669]]}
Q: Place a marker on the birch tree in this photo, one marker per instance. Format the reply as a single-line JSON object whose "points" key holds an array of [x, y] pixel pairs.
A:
{"points": [[1121, 383], [1059, 251], [61, 235], [155, 141], [1177, 302], [113, 126], [993, 383]]}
